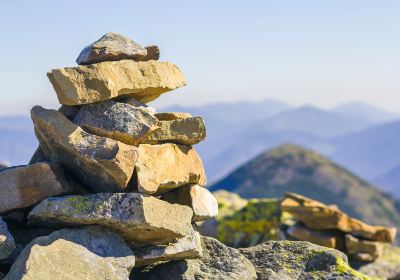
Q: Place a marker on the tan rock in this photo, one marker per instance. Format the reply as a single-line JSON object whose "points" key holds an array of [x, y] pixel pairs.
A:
{"points": [[318, 216], [203, 203], [144, 81], [187, 131], [188, 247], [322, 238], [118, 121], [140, 219], [172, 116], [24, 186], [160, 168], [363, 250], [101, 163], [92, 253]]}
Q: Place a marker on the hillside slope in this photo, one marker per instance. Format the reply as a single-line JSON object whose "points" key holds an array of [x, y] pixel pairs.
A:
{"points": [[294, 169]]}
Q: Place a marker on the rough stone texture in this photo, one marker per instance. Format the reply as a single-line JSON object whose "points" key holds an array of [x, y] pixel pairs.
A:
{"points": [[69, 112], [153, 53], [88, 254], [363, 250], [218, 262], [188, 131], [138, 218], [7, 244], [323, 238], [316, 215], [299, 260], [181, 165], [24, 186], [188, 247], [133, 102], [172, 116], [203, 203], [118, 121], [111, 47], [385, 267], [144, 81], [101, 163]]}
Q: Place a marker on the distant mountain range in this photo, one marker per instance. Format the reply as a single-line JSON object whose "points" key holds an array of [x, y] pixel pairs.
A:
{"points": [[289, 168], [358, 136]]}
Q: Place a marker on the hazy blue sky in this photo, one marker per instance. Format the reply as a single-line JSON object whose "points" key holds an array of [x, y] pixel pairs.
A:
{"points": [[318, 52]]}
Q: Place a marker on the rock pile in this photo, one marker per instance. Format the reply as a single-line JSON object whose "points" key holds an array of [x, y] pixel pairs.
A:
{"points": [[328, 226], [115, 189], [127, 177]]}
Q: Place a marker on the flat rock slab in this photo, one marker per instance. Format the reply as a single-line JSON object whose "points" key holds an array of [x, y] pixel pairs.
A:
{"points": [[145, 81], [118, 121], [7, 244], [188, 247], [111, 47], [138, 218], [218, 262], [172, 116], [328, 239], [201, 200], [82, 254], [160, 168], [24, 186], [186, 131], [363, 250], [103, 164], [276, 260], [318, 216]]}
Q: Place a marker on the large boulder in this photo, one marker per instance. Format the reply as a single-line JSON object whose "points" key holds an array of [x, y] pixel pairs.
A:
{"points": [[82, 254], [144, 81], [7, 244], [218, 262], [181, 165], [101, 163], [111, 47], [186, 131], [201, 200], [140, 219], [318, 216], [24, 186], [276, 260], [188, 247], [118, 121]]}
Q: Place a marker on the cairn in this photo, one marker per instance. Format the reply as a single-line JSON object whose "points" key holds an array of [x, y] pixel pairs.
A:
{"points": [[108, 168], [327, 226]]}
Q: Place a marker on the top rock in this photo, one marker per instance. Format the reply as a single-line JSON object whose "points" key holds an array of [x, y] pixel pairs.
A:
{"points": [[113, 47]]}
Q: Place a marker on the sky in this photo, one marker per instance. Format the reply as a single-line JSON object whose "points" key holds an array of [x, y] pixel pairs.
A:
{"points": [[303, 52]]}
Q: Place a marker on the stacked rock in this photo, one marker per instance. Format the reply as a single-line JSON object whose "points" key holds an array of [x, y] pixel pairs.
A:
{"points": [[328, 226], [111, 166]]}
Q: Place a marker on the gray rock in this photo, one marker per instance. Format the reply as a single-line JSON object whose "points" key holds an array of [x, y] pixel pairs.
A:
{"points": [[118, 121], [7, 244], [3, 165], [24, 186], [101, 163], [111, 47], [299, 260], [218, 262], [138, 218], [188, 247], [91, 253]]}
